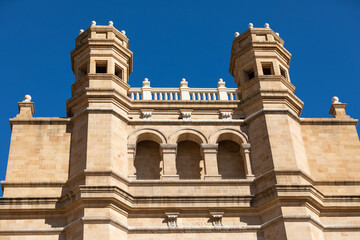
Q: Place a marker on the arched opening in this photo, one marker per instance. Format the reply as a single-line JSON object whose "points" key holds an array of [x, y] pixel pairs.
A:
{"points": [[188, 159], [230, 160], [147, 160]]}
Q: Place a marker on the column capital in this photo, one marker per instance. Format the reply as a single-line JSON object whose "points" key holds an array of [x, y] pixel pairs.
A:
{"points": [[168, 145], [246, 145]]}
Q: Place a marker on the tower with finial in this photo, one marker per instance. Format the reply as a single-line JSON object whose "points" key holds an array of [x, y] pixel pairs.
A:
{"points": [[260, 65], [101, 59]]}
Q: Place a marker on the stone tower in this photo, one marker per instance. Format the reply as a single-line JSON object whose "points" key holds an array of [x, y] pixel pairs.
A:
{"points": [[182, 163]]}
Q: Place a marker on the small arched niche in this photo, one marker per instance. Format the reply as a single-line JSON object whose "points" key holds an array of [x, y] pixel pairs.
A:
{"points": [[188, 159], [147, 160], [230, 160]]}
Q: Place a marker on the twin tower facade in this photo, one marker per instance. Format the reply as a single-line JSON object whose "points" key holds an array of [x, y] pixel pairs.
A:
{"points": [[182, 163]]}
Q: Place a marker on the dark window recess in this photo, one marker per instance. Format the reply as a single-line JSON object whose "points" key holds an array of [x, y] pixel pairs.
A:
{"points": [[118, 72], [249, 75], [101, 68], [282, 72], [267, 70]]}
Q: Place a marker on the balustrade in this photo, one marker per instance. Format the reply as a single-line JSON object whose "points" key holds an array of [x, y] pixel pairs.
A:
{"points": [[183, 93]]}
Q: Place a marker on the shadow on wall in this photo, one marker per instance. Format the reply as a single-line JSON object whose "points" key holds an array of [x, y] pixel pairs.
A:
{"points": [[147, 160], [230, 161], [188, 159]]}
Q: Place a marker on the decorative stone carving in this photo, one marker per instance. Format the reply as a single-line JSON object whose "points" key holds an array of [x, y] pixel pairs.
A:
{"points": [[225, 115], [171, 218], [146, 114], [216, 218], [186, 114]]}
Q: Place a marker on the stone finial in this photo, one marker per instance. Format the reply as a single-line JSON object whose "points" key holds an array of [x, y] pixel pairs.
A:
{"points": [[251, 25], [335, 99], [81, 31], [93, 23], [183, 83], [277, 34], [146, 82], [266, 25], [111, 23], [27, 98], [123, 32], [221, 83], [26, 108], [236, 34], [338, 108]]}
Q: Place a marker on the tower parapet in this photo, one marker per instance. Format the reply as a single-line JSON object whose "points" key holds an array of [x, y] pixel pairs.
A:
{"points": [[260, 65], [101, 60]]}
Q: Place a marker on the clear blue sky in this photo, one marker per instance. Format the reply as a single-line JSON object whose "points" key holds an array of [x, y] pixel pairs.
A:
{"points": [[175, 39]]}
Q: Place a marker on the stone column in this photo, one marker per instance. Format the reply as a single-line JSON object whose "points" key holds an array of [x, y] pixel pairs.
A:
{"points": [[210, 158], [169, 161], [131, 159], [247, 163]]}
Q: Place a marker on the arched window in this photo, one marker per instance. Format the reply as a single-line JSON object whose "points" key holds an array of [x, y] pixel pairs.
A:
{"points": [[230, 160], [188, 159], [147, 160]]}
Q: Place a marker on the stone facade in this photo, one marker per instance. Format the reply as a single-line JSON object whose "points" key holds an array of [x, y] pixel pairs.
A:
{"points": [[182, 163]]}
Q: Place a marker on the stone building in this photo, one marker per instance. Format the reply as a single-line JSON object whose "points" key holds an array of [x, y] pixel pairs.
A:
{"points": [[182, 163]]}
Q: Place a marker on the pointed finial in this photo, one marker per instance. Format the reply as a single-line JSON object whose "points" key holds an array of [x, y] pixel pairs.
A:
{"points": [[123, 32], [277, 34], [81, 31], [251, 25], [27, 98], [335, 99], [236, 34], [93, 23], [267, 25], [111, 23]]}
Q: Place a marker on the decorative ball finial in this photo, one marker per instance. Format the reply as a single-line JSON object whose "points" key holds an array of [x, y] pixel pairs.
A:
{"points": [[146, 79], [183, 80], [27, 98], [267, 25], [93, 23], [277, 34], [251, 25], [335, 99], [220, 80], [81, 31], [123, 32], [111, 23], [236, 34]]}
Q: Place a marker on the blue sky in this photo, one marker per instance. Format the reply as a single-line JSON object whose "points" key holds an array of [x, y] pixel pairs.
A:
{"points": [[175, 39]]}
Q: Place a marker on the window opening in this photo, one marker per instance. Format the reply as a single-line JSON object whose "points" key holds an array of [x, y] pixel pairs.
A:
{"points": [[267, 69], [118, 71], [101, 67]]}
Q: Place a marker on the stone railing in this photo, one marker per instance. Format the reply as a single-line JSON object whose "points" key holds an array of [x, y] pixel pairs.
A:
{"points": [[183, 93]]}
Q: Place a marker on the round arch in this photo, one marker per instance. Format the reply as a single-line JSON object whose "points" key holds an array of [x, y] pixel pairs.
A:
{"points": [[150, 134], [187, 134], [228, 134]]}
